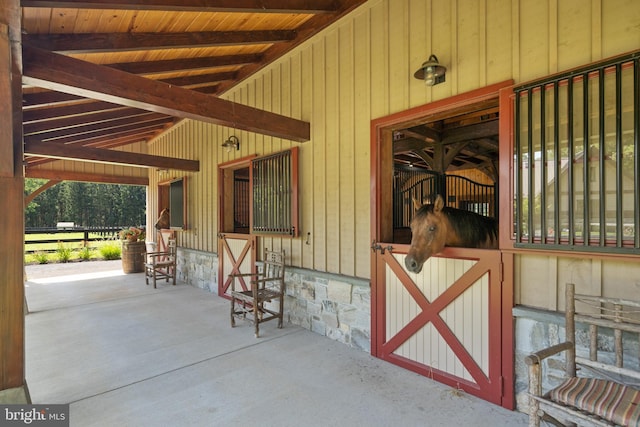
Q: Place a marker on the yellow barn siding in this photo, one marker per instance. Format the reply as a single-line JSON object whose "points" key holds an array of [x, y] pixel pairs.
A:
{"points": [[468, 42], [499, 41], [398, 55], [621, 24], [574, 34], [361, 68]]}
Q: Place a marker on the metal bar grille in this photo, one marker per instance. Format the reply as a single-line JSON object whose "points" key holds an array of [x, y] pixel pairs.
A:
{"points": [[423, 185], [272, 194], [596, 130]]}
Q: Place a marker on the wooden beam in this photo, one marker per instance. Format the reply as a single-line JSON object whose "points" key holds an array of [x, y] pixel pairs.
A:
{"points": [[110, 141], [66, 74], [44, 187], [6, 113], [48, 98], [12, 298], [85, 177], [35, 114], [88, 122], [99, 155], [114, 42], [200, 79], [243, 6], [478, 131], [87, 138], [186, 64]]}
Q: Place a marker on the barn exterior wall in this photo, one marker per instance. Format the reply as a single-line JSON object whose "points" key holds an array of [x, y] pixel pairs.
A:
{"points": [[360, 69]]}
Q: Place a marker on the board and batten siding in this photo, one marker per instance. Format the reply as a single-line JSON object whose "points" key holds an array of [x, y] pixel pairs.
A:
{"points": [[361, 68]]}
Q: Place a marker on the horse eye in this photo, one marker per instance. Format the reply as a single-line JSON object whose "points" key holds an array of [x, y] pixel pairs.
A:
{"points": [[432, 228]]}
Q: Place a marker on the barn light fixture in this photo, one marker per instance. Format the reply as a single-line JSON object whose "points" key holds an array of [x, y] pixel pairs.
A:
{"points": [[231, 142], [431, 72]]}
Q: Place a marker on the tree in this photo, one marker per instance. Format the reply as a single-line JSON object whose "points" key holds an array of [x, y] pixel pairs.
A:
{"points": [[86, 204]]}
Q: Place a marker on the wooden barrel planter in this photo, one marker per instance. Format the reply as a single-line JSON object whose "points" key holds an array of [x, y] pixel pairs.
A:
{"points": [[133, 257]]}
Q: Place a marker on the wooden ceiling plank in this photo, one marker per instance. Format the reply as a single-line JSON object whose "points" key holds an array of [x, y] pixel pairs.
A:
{"points": [[245, 6], [114, 42], [99, 155], [54, 71], [31, 172]]}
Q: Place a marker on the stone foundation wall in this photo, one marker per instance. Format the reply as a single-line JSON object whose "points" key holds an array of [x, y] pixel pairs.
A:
{"points": [[538, 329], [335, 306]]}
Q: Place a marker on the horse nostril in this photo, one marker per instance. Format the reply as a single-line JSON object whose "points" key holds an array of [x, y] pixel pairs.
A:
{"points": [[410, 263]]}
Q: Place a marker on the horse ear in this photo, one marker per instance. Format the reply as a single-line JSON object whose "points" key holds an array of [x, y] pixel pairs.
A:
{"points": [[439, 204], [416, 204]]}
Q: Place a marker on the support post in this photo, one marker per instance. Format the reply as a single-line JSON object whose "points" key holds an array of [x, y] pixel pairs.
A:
{"points": [[12, 304]]}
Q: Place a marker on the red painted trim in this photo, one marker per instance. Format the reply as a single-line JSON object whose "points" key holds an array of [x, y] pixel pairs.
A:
{"points": [[508, 332], [500, 300], [294, 192], [442, 105], [505, 158]]}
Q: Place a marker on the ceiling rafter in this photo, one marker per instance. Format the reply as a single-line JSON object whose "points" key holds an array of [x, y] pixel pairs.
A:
{"points": [[101, 120], [100, 155], [87, 177], [54, 71], [230, 6], [87, 132], [172, 58], [186, 64], [114, 42]]}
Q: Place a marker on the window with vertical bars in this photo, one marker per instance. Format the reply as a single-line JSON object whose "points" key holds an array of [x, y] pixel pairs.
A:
{"points": [[577, 159], [275, 193]]}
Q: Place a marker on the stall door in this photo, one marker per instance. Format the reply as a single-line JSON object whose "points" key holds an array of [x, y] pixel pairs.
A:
{"points": [[236, 254], [445, 322]]}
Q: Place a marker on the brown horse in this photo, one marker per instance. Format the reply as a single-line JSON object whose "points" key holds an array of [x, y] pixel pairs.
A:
{"points": [[163, 220], [435, 226]]}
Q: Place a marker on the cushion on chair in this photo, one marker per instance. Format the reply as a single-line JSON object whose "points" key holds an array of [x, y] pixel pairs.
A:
{"points": [[614, 402]]}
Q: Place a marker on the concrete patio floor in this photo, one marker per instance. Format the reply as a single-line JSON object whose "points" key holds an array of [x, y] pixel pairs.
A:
{"points": [[125, 354]]}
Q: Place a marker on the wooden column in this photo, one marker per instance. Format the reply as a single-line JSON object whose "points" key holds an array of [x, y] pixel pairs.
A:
{"points": [[11, 199]]}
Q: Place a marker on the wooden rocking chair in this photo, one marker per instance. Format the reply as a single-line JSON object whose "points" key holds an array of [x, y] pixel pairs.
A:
{"points": [[265, 287], [161, 264]]}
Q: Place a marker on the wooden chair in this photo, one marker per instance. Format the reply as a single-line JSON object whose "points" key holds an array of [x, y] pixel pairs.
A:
{"points": [[161, 264], [597, 390], [265, 287]]}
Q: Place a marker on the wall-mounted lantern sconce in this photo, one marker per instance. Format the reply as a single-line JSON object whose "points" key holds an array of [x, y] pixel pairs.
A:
{"points": [[231, 142], [431, 72]]}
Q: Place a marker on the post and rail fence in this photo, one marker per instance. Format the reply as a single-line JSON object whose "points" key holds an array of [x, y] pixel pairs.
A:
{"points": [[89, 234]]}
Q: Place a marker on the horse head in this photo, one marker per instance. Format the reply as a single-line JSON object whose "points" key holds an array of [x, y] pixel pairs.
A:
{"points": [[163, 220], [429, 229]]}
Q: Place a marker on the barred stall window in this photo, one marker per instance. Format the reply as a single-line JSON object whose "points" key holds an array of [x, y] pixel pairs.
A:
{"points": [[577, 159], [275, 193]]}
